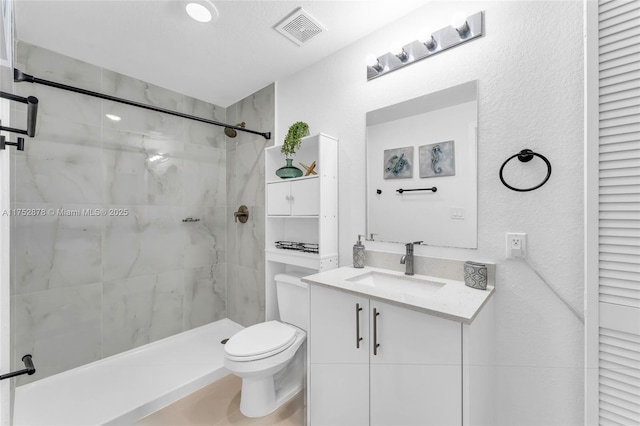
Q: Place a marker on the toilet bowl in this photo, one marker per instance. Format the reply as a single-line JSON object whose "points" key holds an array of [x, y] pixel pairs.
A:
{"points": [[270, 356]]}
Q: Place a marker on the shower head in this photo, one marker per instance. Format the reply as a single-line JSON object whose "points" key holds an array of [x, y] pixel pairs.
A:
{"points": [[232, 133]]}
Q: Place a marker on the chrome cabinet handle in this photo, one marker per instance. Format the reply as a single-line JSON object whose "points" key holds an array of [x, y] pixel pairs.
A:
{"points": [[358, 338], [376, 345]]}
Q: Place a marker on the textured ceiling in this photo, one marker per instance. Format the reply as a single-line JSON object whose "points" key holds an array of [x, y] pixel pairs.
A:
{"points": [[220, 62]]}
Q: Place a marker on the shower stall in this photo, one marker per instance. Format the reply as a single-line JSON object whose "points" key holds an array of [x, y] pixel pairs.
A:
{"points": [[111, 264]]}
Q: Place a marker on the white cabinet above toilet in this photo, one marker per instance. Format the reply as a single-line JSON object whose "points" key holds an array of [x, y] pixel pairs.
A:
{"points": [[294, 198]]}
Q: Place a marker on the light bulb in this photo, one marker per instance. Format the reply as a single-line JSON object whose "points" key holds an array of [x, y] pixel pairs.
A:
{"points": [[371, 60], [459, 22], [113, 117], [425, 36]]}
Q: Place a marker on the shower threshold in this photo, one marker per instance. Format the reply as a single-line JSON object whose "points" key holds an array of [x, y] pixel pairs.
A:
{"points": [[123, 388]]}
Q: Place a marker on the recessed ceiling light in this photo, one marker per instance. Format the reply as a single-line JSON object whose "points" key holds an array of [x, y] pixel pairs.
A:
{"points": [[113, 117], [202, 11]]}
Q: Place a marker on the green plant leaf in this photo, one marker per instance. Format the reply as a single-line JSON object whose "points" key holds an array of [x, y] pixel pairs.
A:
{"points": [[293, 141]]}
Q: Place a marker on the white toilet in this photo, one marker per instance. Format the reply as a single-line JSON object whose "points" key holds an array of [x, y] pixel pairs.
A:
{"points": [[270, 356]]}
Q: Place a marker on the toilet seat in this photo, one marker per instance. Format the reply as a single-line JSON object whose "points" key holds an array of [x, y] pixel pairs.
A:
{"points": [[260, 341]]}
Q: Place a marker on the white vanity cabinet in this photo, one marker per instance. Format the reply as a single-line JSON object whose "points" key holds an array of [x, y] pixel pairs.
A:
{"points": [[412, 376]]}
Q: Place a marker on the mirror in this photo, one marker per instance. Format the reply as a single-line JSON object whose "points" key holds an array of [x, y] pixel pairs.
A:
{"points": [[422, 171]]}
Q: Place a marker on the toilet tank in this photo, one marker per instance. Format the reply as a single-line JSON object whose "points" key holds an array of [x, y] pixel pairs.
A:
{"points": [[293, 299]]}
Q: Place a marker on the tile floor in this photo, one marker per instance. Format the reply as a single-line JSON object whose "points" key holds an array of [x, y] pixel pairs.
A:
{"points": [[219, 405]]}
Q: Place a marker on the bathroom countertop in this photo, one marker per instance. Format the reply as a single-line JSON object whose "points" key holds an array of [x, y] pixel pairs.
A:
{"points": [[454, 300]]}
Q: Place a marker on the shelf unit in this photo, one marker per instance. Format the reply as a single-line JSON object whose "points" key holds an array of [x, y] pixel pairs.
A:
{"points": [[303, 210]]}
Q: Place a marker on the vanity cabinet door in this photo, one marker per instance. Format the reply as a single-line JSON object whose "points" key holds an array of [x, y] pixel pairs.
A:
{"points": [[415, 375], [333, 327], [338, 364], [339, 395]]}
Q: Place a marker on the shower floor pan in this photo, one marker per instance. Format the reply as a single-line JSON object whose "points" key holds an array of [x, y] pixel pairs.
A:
{"points": [[128, 386]]}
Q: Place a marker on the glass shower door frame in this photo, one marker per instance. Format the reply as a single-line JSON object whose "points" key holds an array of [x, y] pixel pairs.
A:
{"points": [[6, 73]]}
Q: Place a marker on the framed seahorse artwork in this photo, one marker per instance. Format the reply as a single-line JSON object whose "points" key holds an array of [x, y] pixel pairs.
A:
{"points": [[437, 159], [398, 163]]}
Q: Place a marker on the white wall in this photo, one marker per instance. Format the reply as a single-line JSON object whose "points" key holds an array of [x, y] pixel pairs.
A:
{"points": [[529, 66]]}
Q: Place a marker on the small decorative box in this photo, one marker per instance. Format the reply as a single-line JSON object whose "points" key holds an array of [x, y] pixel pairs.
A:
{"points": [[475, 275]]}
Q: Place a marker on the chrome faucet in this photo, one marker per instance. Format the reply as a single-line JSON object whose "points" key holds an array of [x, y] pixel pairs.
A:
{"points": [[407, 259]]}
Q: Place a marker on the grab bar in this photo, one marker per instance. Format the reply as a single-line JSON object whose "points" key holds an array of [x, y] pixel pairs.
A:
{"points": [[28, 362], [434, 189]]}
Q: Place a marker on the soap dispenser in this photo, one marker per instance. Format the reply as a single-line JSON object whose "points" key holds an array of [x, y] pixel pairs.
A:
{"points": [[358, 254]]}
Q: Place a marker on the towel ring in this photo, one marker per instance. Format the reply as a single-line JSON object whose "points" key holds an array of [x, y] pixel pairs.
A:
{"points": [[525, 156]]}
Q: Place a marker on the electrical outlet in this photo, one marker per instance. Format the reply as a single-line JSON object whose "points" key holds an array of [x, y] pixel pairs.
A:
{"points": [[516, 244]]}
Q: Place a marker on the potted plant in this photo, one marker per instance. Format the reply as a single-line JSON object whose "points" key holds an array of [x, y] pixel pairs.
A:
{"points": [[291, 143]]}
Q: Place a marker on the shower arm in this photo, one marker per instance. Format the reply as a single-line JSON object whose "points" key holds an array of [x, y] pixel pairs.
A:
{"points": [[20, 77], [29, 369]]}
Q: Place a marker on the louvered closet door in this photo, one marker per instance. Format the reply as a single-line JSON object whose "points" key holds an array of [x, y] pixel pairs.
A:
{"points": [[619, 214]]}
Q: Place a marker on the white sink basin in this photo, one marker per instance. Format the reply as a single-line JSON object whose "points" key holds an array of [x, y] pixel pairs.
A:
{"points": [[403, 284]]}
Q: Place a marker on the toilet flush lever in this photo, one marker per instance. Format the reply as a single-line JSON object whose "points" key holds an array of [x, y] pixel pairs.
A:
{"points": [[242, 214]]}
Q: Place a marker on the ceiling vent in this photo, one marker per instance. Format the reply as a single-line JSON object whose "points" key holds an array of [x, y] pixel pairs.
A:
{"points": [[299, 27]]}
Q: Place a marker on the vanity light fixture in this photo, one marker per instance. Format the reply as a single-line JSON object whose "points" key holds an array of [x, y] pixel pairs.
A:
{"points": [[113, 117], [463, 28], [202, 11]]}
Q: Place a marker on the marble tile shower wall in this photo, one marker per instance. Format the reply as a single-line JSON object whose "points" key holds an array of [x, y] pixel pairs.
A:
{"points": [[86, 287], [245, 185]]}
